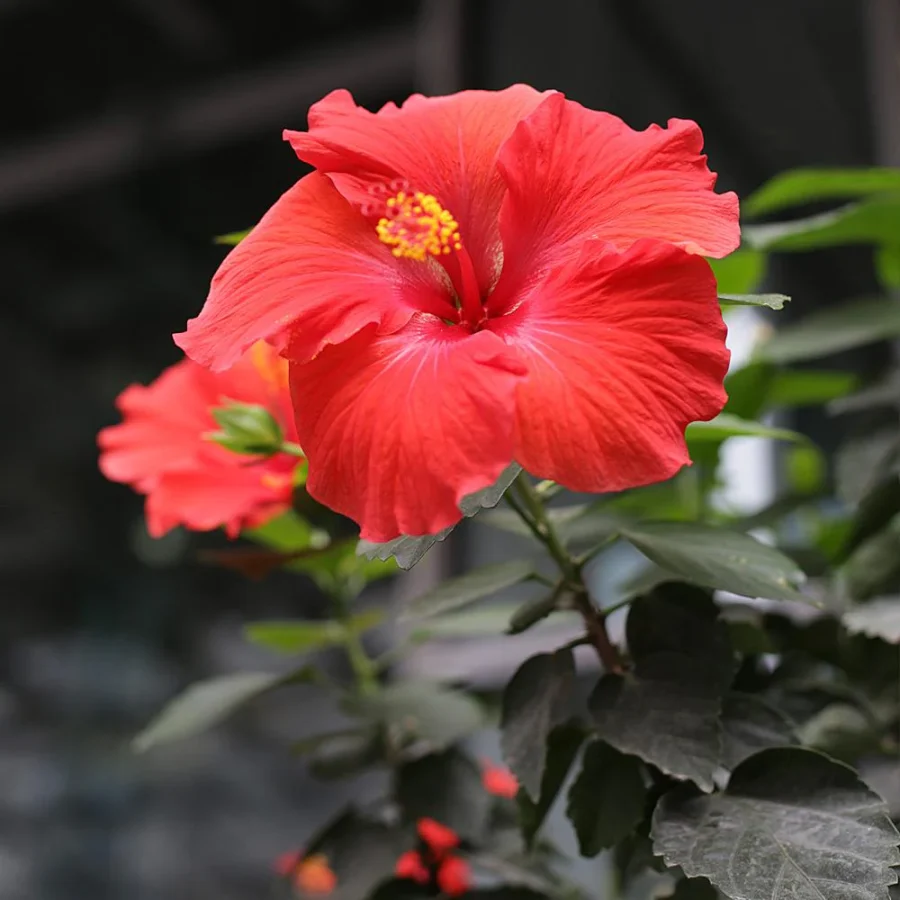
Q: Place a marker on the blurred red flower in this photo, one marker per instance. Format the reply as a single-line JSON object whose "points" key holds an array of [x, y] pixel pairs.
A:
{"points": [[162, 449], [498, 780], [435, 863], [311, 875], [480, 278]]}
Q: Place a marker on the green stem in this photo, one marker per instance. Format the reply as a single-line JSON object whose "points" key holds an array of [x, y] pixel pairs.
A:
{"points": [[291, 448], [535, 516], [365, 669]]}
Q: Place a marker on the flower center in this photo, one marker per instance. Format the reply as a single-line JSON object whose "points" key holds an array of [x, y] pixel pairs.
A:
{"points": [[416, 225]]}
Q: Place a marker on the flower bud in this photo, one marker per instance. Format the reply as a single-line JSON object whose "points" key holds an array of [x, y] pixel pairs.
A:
{"points": [[246, 428]]}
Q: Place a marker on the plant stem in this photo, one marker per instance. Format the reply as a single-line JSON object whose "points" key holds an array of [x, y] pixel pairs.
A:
{"points": [[365, 669], [535, 516]]}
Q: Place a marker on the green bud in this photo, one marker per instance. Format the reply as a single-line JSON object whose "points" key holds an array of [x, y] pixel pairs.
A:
{"points": [[246, 428]]}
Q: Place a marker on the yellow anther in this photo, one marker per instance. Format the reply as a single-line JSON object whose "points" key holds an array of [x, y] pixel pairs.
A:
{"points": [[418, 226]]}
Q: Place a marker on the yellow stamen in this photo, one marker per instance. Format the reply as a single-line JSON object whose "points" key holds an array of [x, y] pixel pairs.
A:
{"points": [[417, 225]]}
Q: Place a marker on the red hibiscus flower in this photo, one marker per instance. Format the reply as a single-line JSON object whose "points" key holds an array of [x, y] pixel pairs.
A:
{"points": [[162, 447], [476, 279], [435, 863], [498, 780], [311, 875]]}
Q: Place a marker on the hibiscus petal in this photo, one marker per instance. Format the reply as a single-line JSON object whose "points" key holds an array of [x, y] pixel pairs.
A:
{"points": [[398, 429], [208, 497], [623, 352], [314, 268], [574, 174], [445, 146]]}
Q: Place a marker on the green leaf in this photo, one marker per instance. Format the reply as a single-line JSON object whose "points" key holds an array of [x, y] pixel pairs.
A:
{"points": [[874, 565], [739, 272], [535, 701], [715, 557], [861, 465], [694, 889], [408, 549], [887, 266], [666, 711], [297, 637], [725, 426], [749, 725], [884, 393], [446, 787], [287, 533], [843, 326], [232, 239], [809, 387], [806, 470], [606, 801], [770, 301], [791, 824], [207, 703], [421, 709], [842, 731], [459, 592], [874, 221], [798, 186], [879, 618], [563, 745], [339, 754], [533, 611], [746, 630]]}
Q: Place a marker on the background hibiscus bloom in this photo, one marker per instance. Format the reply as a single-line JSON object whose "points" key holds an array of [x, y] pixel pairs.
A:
{"points": [[476, 279], [162, 448]]}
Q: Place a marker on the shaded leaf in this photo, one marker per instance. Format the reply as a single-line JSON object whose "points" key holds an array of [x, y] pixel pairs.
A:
{"points": [[251, 562], [421, 709], [861, 465], [834, 329], [563, 745], [535, 701], [718, 558], [842, 731], [798, 186], [342, 754], [207, 703], [446, 787], [606, 801], [791, 824], [770, 301], [887, 266], [749, 725], [873, 221], [408, 549], [693, 889], [739, 272], [533, 611], [458, 592], [666, 711], [874, 565], [879, 618], [297, 637], [725, 426], [809, 387]]}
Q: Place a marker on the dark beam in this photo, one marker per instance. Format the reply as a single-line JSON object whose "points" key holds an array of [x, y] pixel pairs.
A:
{"points": [[229, 110]]}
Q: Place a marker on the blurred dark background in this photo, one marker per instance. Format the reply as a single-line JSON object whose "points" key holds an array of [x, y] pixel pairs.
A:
{"points": [[133, 131]]}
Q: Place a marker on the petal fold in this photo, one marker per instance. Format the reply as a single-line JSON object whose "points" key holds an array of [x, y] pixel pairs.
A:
{"points": [[575, 174], [312, 272], [399, 428], [623, 351]]}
